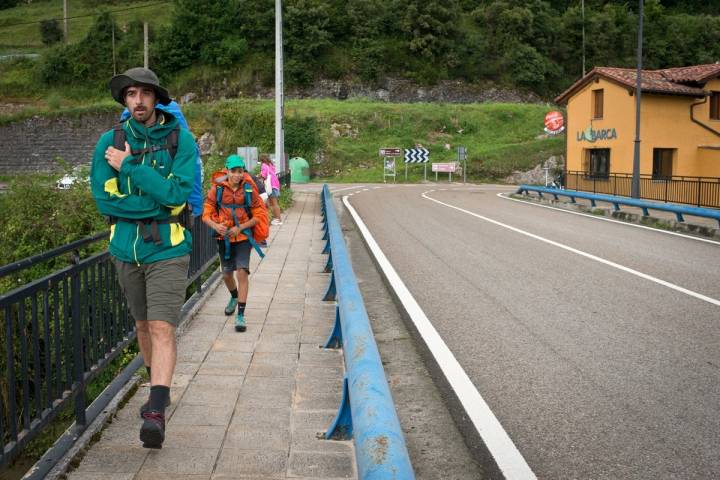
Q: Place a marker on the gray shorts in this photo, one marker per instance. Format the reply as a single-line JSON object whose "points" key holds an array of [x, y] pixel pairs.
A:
{"points": [[239, 256], [154, 291]]}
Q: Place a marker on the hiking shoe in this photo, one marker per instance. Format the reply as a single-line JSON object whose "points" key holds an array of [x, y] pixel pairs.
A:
{"points": [[230, 308], [276, 221], [152, 432], [146, 407], [240, 323]]}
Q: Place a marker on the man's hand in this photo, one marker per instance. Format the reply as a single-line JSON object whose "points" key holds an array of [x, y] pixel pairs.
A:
{"points": [[115, 157]]}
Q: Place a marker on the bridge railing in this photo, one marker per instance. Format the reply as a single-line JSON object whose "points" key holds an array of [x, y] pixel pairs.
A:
{"points": [[679, 210], [367, 413], [698, 191], [61, 331]]}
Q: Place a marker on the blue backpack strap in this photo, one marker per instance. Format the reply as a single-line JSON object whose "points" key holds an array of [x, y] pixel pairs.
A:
{"points": [[247, 189], [218, 203]]}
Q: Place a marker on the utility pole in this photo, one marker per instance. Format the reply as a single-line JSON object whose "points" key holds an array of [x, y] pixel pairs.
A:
{"points": [[145, 38], [65, 21], [279, 96], [113, 49], [635, 187], [582, 6]]}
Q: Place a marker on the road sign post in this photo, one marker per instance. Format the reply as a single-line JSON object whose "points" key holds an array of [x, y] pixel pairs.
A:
{"points": [[389, 155], [416, 155], [462, 157]]}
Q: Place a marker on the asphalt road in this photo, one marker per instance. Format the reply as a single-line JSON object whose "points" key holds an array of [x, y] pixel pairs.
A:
{"points": [[599, 353]]}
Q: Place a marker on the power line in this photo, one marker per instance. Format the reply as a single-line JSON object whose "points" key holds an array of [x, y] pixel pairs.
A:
{"points": [[87, 15]]}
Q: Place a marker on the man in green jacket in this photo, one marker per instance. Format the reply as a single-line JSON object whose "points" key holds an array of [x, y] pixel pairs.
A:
{"points": [[142, 187]]}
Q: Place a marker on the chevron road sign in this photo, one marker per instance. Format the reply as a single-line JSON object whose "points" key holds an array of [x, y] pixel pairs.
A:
{"points": [[417, 155]]}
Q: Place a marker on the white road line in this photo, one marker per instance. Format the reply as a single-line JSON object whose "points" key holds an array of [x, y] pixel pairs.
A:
{"points": [[502, 195], [584, 254], [506, 455], [346, 188]]}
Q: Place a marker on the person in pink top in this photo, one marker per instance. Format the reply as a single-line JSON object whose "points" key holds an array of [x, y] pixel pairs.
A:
{"points": [[272, 186]]}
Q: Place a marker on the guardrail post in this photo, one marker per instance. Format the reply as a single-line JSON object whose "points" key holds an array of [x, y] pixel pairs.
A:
{"points": [[78, 360], [334, 341], [328, 265], [342, 428], [331, 293]]}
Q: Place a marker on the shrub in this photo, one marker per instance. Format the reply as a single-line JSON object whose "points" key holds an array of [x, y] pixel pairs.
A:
{"points": [[50, 32]]}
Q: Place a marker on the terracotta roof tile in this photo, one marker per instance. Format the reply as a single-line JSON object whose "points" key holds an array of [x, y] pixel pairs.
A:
{"points": [[668, 81], [693, 73]]}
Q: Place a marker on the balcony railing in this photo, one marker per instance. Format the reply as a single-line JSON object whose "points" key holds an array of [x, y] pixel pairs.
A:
{"points": [[698, 191]]}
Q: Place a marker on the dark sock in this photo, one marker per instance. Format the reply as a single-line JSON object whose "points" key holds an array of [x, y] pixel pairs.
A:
{"points": [[241, 307], [158, 397], [149, 374], [233, 293]]}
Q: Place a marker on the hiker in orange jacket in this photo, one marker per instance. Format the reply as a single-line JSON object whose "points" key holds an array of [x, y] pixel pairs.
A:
{"points": [[238, 226]]}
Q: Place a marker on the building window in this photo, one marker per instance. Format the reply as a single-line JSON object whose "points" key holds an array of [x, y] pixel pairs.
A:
{"points": [[597, 96], [662, 163], [597, 162], [715, 106]]}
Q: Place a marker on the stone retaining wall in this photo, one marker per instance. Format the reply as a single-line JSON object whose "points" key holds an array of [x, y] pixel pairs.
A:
{"points": [[35, 144]]}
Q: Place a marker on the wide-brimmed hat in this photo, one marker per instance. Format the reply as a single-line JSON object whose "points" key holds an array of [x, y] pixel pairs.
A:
{"points": [[234, 161], [137, 76]]}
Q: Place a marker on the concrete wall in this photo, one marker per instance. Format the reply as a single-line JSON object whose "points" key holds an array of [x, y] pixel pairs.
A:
{"points": [[32, 145]]}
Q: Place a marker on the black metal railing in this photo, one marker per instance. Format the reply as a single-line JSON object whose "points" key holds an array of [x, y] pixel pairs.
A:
{"points": [[284, 178], [698, 191], [61, 331]]}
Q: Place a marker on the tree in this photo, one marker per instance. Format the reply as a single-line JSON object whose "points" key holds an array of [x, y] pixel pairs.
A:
{"points": [[306, 38], [50, 32]]}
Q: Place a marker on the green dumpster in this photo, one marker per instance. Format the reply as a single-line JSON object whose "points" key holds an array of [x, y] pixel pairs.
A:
{"points": [[299, 170]]}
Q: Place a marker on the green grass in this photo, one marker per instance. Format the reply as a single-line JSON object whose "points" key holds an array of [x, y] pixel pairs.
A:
{"points": [[499, 138], [25, 38]]}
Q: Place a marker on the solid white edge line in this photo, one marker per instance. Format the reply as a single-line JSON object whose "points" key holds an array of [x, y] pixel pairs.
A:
{"points": [[659, 281], [504, 452], [503, 196], [346, 188]]}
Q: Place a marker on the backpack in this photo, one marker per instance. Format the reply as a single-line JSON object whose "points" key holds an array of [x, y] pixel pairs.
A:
{"points": [[195, 200], [260, 231]]}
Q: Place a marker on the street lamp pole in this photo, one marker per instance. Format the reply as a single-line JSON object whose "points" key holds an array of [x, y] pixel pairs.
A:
{"points": [[635, 187], [279, 97]]}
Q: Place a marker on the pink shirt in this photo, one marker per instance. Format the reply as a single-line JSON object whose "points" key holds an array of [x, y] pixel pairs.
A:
{"points": [[268, 170]]}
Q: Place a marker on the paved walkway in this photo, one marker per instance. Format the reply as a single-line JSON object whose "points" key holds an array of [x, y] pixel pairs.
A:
{"points": [[247, 405]]}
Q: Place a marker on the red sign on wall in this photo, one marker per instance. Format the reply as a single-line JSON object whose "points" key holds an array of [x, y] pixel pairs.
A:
{"points": [[554, 123]]}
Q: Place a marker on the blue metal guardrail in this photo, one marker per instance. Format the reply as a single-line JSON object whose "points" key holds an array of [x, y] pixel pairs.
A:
{"points": [[367, 412], [61, 331], [678, 210]]}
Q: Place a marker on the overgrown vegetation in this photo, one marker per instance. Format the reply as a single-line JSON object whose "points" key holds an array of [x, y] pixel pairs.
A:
{"points": [[533, 45], [341, 140]]}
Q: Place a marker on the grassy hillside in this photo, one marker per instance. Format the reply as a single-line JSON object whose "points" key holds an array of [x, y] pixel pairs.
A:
{"points": [[18, 33], [499, 138]]}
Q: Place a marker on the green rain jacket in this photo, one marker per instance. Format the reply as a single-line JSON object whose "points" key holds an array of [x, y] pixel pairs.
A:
{"points": [[148, 186]]}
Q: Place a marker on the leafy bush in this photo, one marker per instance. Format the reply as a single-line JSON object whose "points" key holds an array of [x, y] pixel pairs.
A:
{"points": [[87, 62], [50, 32], [36, 218]]}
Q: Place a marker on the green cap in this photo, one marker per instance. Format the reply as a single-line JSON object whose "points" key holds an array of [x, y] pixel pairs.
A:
{"points": [[234, 161]]}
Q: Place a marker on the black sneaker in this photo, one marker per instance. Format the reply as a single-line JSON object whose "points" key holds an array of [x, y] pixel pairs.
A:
{"points": [[146, 407], [152, 432]]}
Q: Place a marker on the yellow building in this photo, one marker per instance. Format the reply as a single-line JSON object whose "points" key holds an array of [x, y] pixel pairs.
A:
{"points": [[679, 126]]}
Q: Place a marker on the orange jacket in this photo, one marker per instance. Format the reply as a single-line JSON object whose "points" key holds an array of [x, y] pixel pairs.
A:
{"points": [[231, 197]]}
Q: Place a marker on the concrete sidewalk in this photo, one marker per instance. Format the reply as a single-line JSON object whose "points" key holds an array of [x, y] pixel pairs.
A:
{"points": [[252, 404]]}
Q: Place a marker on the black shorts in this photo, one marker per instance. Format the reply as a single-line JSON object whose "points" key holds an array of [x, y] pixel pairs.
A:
{"points": [[239, 256]]}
